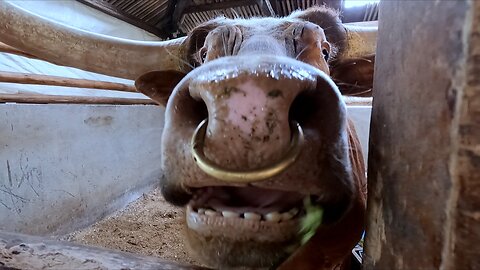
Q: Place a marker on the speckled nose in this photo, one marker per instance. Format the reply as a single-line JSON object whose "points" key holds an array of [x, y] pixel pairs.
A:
{"points": [[248, 112]]}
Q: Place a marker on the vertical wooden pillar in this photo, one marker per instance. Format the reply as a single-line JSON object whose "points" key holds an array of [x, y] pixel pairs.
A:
{"points": [[424, 166]]}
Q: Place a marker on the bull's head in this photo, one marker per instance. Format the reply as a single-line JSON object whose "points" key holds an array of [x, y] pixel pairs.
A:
{"points": [[254, 125]]}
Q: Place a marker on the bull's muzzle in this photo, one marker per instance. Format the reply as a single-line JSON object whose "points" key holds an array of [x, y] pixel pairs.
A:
{"points": [[239, 176]]}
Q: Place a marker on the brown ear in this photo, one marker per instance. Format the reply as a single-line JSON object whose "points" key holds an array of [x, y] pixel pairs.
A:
{"points": [[328, 19], [158, 85], [355, 76], [353, 47]]}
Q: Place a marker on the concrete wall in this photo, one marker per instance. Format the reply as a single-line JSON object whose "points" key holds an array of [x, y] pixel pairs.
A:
{"points": [[65, 166], [360, 115]]}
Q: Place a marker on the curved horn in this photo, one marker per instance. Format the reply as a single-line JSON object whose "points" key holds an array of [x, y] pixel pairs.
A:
{"points": [[68, 46], [361, 39]]}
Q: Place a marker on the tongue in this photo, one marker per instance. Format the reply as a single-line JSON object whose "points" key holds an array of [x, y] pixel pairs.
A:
{"points": [[247, 199]]}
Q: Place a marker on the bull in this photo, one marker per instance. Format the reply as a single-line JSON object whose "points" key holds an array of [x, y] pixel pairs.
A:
{"points": [[254, 125]]}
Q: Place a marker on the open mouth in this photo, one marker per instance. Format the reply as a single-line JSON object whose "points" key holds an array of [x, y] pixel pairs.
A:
{"points": [[246, 213]]}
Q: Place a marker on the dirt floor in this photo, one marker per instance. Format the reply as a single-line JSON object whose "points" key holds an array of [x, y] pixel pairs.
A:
{"points": [[148, 226]]}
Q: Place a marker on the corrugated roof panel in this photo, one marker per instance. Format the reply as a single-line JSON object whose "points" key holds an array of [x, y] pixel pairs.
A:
{"points": [[154, 15], [145, 7]]}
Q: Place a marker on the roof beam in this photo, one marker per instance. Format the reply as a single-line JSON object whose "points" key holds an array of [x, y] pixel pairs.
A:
{"points": [[266, 8], [219, 6], [178, 11], [172, 23]]}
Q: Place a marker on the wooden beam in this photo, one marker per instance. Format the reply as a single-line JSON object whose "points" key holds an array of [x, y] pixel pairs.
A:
{"points": [[276, 7], [424, 159], [335, 4], [26, 78], [179, 10], [266, 8], [219, 6], [111, 10], [57, 99], [171, 24], [20, 251]]}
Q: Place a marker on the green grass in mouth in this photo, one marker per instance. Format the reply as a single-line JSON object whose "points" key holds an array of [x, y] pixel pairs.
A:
{"points": [[311, 221]]}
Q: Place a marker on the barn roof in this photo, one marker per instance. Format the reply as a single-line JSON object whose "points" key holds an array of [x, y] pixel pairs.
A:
{"points": [[170, 18]]}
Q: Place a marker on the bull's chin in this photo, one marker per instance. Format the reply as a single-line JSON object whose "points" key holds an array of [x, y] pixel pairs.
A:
{"points": [[224, 242], [229, 227], [224, 252]]}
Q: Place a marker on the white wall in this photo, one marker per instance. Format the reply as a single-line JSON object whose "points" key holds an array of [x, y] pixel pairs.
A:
{"points": [[65, 166], [360, 115]]}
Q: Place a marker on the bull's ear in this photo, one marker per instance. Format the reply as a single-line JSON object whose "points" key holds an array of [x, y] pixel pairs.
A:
{"points": [[354, 77], [328, 19], [353, 49], [158, 85]]}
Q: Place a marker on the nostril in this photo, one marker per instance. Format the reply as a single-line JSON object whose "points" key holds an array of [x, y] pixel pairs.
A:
{"points": [[188, 110], [321, 105], [199, 110], [304, 107]]}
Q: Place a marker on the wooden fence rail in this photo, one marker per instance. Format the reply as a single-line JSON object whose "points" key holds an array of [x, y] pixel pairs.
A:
{"points": [[26, 78]]}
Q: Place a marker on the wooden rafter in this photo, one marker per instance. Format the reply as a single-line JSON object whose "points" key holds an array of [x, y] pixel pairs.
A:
{"points": [[266, 8], [171, 22], [178, 11], [219, 6]]}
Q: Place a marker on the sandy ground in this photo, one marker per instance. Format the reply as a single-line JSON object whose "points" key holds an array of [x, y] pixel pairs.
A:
{"points": [[148, 226]]}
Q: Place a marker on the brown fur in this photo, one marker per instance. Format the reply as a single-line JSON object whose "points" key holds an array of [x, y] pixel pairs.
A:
{"points": [[331, 162], [330, 247], [266, 253]]}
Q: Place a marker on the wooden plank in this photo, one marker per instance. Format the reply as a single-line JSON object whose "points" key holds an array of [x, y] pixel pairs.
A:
{"points": [[424, 160], [27, 78], [19, 251], [56, 99]]}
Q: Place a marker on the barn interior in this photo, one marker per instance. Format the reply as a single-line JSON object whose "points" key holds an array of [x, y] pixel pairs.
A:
{"points": [[79, 150]]}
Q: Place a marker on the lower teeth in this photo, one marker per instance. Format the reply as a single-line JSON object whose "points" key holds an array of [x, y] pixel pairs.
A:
{"points": [[211, 213], [252, 216], [274, 217], [271, 217], [230, 214]]}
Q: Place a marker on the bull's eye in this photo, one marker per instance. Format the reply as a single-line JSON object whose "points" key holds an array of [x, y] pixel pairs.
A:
{"points": [[203, 55], [326, 54]]}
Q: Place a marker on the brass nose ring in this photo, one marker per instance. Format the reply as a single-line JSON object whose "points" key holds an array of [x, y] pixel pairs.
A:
{"points": [[239, 176]]}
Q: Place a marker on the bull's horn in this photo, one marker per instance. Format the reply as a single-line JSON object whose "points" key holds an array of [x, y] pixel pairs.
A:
{"points": [[67, 46], [361, 39]]}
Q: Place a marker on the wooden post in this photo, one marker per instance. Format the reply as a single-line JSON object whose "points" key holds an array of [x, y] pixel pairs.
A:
{"points": [[424, 163]]}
